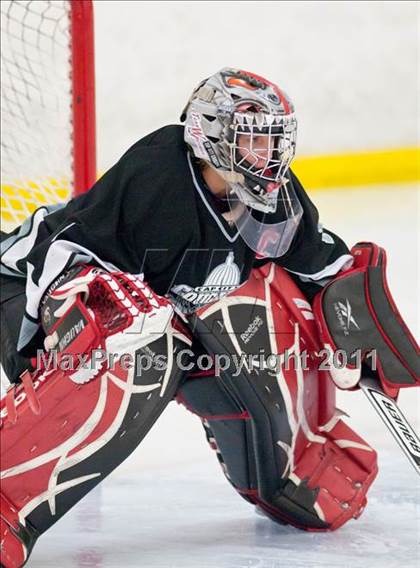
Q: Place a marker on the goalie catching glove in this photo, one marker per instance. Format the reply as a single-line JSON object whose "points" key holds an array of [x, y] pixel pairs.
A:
{"points": [[63, 430]]}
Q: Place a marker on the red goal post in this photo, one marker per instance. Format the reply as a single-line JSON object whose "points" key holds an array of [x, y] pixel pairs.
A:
{"points": [[83, 99], [48, 104]]}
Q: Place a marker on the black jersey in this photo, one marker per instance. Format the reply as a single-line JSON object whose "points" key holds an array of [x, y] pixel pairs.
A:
{"points": [[152, 214]]}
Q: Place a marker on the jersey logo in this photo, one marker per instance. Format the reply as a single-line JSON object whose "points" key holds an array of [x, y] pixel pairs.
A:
{"points": [[222, 279]]}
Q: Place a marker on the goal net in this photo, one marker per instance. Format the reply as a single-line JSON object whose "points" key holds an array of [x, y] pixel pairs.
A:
{"points": [[47, 104]]}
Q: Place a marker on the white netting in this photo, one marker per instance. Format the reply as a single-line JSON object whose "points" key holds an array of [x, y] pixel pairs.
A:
{"points": [[36, 165]]}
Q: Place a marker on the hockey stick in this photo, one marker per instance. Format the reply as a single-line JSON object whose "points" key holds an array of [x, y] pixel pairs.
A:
{"points": [[394, 420]]}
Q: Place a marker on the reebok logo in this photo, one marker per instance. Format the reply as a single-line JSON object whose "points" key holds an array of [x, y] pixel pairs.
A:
{"points": [[252, 329], [344, 316]]}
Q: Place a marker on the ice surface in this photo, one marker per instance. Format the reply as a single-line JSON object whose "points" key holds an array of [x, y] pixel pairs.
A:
{"points": [[169, 506]]}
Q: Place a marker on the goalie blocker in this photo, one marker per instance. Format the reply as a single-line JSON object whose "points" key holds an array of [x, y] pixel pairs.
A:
{"points": [[356, 314], [64, 431]]}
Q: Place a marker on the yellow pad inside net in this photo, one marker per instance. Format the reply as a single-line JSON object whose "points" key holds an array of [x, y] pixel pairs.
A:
{"points": [[36, 117]]}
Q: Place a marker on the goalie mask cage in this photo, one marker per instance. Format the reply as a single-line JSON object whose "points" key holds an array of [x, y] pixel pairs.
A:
{"points": [[47, 104]]}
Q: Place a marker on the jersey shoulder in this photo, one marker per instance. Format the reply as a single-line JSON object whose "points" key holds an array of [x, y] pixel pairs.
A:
{"points": [[160, 158], [170, 136]]}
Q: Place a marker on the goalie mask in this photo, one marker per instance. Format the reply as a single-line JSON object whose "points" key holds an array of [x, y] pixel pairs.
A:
{"points": [[245, 127]]}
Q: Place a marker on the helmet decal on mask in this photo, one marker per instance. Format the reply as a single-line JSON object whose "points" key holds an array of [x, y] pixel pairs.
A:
{"points": [[203, 148]]}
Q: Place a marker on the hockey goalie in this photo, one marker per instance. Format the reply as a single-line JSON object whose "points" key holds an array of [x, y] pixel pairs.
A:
{"points": [[199, 239]]}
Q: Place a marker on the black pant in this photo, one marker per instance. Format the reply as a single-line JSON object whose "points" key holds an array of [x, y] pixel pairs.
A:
{"points": [[12, 308]]}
